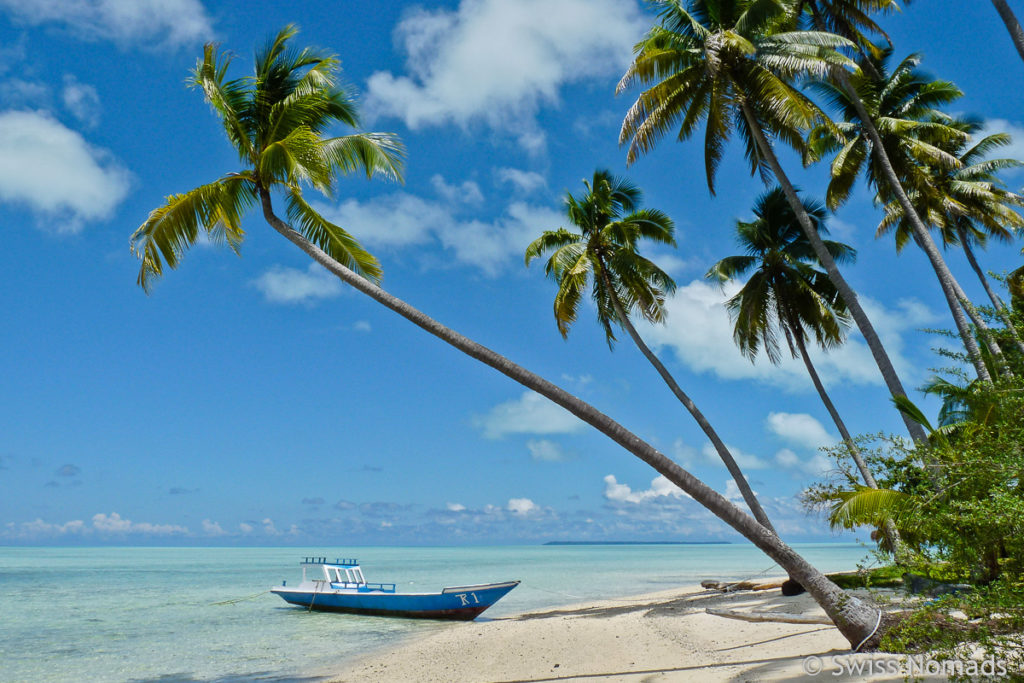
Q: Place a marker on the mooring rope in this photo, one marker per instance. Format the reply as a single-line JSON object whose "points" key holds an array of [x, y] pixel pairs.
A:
{"points": [[248, 597]]}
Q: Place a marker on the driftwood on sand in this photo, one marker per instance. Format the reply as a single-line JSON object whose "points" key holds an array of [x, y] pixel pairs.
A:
{"points": [[730, 586], [780, 617]]}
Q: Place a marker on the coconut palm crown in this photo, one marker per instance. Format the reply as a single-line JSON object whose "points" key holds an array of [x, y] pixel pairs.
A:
{"points": [[710, 60], [786, 290], [605, 249], [903, 104], [277, 119]]}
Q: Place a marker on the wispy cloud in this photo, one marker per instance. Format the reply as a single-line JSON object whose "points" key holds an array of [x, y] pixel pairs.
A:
{"points": [[283, 285], [150, 23], [531, 413], [82, 100], [401, 220]]}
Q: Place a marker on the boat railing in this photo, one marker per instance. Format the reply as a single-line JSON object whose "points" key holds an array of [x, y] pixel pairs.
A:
{"points": [[383, 587], [324, 560]]}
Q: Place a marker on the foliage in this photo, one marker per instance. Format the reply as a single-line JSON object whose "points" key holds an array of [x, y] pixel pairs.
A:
{"points": [[958, 500], [610, 224], [988, 621], [277, 119], [786, 289]]}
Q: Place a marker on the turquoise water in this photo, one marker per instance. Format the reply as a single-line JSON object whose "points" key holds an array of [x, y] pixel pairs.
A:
{"points": [[148, 614]]}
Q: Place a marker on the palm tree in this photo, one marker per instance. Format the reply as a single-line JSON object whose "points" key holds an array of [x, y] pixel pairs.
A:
{"points": [[787, 292], [969, 205], [723, 62], [604, 251], [253, 111], [901, 107], [1012, 25]]}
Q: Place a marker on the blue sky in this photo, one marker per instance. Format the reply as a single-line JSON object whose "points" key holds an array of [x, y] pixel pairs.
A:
{"points": [[254, 400]]}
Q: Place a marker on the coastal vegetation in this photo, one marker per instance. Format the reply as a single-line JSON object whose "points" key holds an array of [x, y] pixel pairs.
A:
{"points": [[948, 503]]}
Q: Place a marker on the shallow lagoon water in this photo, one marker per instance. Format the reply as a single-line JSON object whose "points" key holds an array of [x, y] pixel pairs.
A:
{"points": [[150, 614]]}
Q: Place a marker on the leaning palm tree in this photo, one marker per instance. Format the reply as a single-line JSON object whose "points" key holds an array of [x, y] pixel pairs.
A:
{"points": [[726, 63], [263, 111], [602, 257], [968, 205], [901, 106]]}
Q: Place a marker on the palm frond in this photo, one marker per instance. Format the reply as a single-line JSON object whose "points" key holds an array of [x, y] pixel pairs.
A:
{"points": [[335, 241]]}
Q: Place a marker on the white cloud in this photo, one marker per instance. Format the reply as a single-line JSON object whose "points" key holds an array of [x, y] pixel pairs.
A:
{"points": [[115, 524], [746, 461], [213, 528], [497, 61], [168, 23], [403, 220], [661, 488], [1015, 150], [816, 465], [732, 492], [19, 93], [799, 429], [245, 528], [269, 528], [455, 507], [531, 413], [524, 181], [290, 286], [787, 458], [362, 326], [56, 173], [545, 449], [466, 193], [522, 506], [81, 100], [699, 333]]}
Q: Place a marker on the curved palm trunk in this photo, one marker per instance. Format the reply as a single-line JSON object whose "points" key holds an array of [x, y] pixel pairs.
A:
{"points": [[997, 303], [888, 528], [892, 380], [921, 233], [854, 619], [723, 451], [1012, 25]]}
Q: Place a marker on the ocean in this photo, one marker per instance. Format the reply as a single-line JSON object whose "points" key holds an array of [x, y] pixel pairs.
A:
{"points": [[152, 614]]}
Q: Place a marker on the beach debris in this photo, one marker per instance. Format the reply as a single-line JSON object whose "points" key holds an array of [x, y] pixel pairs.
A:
{"points": [[731, 586], [779, 617]]}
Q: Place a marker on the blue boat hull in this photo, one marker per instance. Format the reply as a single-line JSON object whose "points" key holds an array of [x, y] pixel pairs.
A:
{"points": [[462, 603]]}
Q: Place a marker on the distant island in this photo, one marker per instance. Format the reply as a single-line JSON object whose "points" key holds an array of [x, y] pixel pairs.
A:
{"points": [[637, 543]]}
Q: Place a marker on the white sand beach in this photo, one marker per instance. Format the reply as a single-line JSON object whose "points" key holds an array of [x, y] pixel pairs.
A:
{"points": [[665, 636]]}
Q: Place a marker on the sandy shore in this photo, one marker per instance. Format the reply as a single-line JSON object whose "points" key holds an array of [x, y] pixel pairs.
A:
{"points": [[664, 636]]}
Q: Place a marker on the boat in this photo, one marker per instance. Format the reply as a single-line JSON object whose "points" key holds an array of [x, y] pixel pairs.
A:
{"points": [[341, 587]]}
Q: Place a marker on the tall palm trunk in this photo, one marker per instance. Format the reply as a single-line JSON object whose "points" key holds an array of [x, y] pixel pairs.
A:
{"points": [[1012, 25], [983, 330], [997, 302], [892, 380], [921, 233], [709, 431], [888, 527], [855, 454], [857, 621]]}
